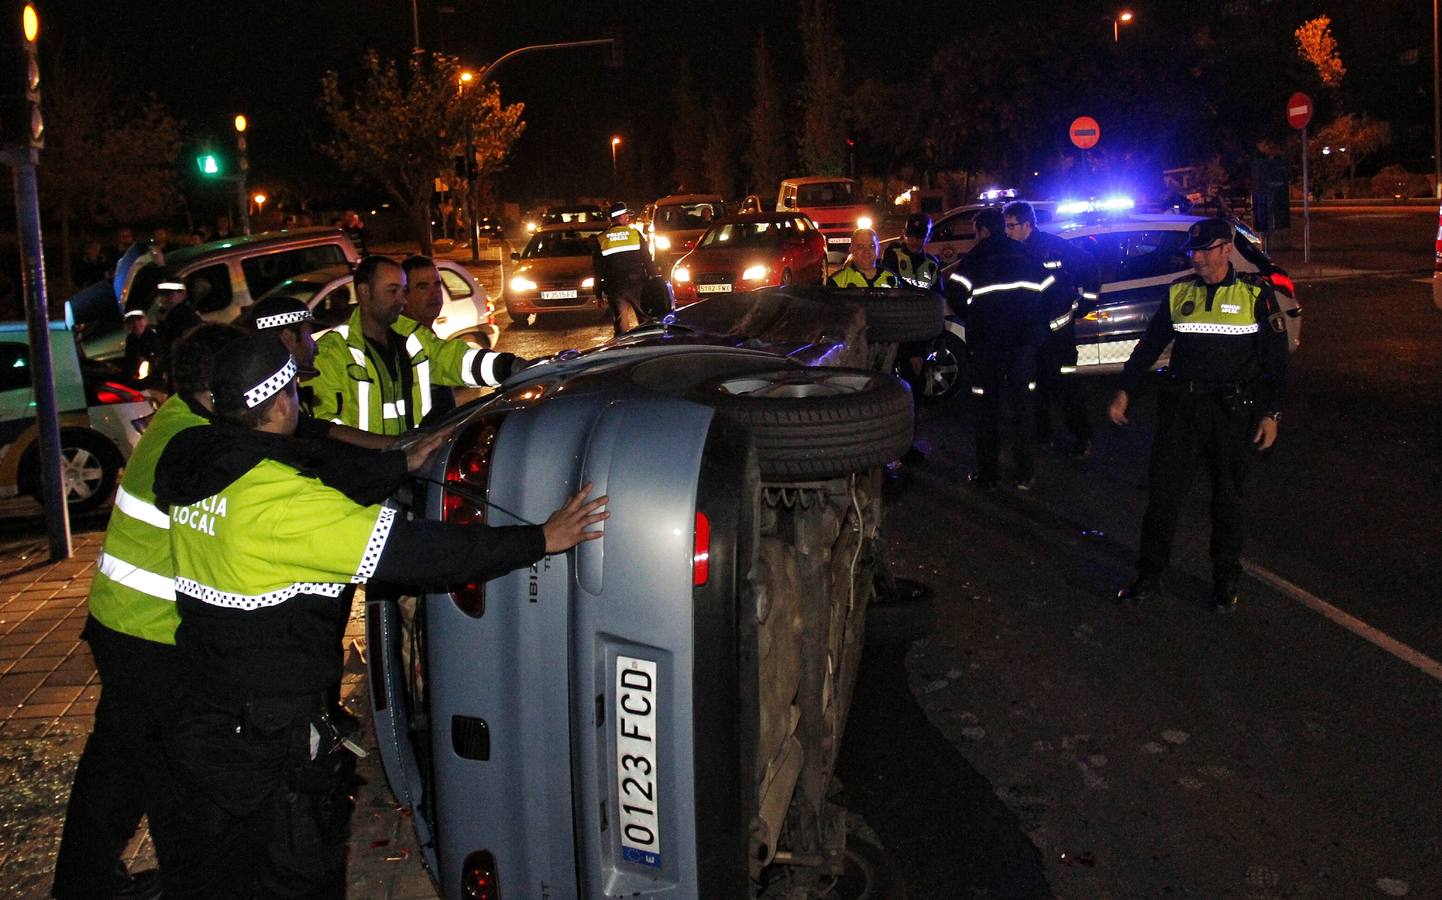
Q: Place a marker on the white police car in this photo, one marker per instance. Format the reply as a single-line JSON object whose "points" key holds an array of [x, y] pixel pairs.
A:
{"points": [[1137, 255]]}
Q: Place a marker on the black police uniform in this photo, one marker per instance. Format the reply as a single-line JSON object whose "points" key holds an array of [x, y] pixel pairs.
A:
{"points": [[1073, 269], [1221, 381], [997, 287]]}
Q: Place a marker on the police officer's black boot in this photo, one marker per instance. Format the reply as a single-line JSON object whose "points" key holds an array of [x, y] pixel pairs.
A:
{"points": [[1143, 589], [1224, 594]]}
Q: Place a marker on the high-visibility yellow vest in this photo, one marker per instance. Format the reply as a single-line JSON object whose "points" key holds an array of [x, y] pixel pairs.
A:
{"points": [[1233, 308], [848, 276]]}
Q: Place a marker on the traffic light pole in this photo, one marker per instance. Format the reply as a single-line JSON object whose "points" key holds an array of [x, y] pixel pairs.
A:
{"points": [[243, 165], [42, 366]]}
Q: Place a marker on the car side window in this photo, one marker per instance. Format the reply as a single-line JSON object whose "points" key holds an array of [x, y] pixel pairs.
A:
{"points": [[267, 270], [455, 285], [14, 367], [335, 307], [955, 228], [1151, 254], [208, 289]]}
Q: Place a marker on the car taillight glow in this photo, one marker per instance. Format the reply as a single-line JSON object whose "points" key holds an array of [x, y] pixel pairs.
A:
{"points": [[1282, 282], [469, 471], [701, 551], [1438, 248], [478, 877], [112, 392]]}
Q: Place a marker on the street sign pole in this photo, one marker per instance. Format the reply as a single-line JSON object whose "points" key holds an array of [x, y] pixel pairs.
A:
{"points": [[42, 367], [1306, 204]]}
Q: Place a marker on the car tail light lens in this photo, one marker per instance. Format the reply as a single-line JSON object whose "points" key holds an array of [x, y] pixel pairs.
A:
{"points": [[1282, 282], [113, 392], [701, 551], [469, 471], [478, 877], [1437, 266]]}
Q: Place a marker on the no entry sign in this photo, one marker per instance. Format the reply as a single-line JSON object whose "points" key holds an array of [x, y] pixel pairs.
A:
{"points": [[1085, 132], [1299, 110]]}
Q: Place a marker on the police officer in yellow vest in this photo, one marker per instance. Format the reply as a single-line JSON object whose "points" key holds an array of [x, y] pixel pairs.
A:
{"points": [[621, 264], [266, 561], [1219, 404], [860, 269], [376, 370], [908, 257]]}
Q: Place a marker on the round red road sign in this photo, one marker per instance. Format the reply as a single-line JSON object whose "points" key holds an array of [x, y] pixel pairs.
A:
{"points": [[1085, 132], [1299, 110]]}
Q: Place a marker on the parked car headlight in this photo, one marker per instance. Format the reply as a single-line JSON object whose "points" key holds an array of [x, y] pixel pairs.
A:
{"points": [[588, 282], [519, 284], [662, 242], [863, 222], [680, 273], [755, 273]]}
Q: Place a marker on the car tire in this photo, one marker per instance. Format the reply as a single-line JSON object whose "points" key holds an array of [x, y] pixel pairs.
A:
{"points": [[520, 322], [901, 316], [810, 423], [90, 466], [944, 372]]}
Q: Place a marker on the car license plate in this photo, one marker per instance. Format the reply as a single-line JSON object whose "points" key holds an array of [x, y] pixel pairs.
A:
{"points": [[558, 295], [637, 782], [713, 288], [838, 240]]}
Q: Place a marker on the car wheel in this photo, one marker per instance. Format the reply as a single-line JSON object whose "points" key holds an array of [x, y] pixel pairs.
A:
{"points": [[867, 872], [901, 316], [89, 469], [523, 321], [944, 370], [816, 422]]}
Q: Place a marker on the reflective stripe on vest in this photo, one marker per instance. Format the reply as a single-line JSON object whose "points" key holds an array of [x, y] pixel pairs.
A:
{"points": [[923, 276], [1061, 321], [1233, 308], [228, 600], [136, 578], [362, 392], [136, 508]]}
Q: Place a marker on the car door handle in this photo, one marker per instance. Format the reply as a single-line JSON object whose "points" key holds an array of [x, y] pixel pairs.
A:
{"points": [[1103, 315]]}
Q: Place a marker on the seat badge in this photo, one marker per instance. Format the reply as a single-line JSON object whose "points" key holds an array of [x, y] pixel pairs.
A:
{"points": [[1189, 307]]}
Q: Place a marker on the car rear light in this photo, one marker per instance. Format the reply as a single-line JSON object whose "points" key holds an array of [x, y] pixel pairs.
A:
{"points": [[468, 471], [1437, 265], [113, 392], [1282, 282], [478, 877], [701, 551]]}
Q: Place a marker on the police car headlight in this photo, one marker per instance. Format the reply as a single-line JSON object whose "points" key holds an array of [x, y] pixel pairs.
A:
{"points": [[588, 282], [754, 273], [863, 222], [662, 242], [680, 274], [519, 284]]}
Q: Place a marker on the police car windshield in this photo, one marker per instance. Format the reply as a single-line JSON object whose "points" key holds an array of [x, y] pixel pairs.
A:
{"points": [[749, 234], [685, 216], [830, 193], [560, 243]]}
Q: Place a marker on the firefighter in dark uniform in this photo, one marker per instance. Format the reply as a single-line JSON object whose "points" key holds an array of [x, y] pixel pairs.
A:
{"points": [[265, 559], [1056, 359], [998, 287], [622, 263], [1219, 404]]}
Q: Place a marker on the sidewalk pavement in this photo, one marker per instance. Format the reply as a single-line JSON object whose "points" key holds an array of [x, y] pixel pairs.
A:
{"points": [[48, 692]]}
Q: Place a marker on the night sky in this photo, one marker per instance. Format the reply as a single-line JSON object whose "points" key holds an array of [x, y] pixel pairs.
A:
{"points": [[209, 60]]}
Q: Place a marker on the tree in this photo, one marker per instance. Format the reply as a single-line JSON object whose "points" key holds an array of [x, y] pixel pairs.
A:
{"points": [[401, 135], [108, 159], [1346, 140], [823, 134], [1316, 45], [720, 156], [688, 133], [767, 156]]}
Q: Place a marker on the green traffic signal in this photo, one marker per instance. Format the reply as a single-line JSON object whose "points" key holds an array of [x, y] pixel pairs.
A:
{"points": [[208, 164]]}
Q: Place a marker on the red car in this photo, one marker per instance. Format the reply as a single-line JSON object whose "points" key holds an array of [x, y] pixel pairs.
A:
{"points": [[742, 253]]}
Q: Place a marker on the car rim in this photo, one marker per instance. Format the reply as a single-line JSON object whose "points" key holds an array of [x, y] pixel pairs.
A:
{"points": [[942, 370], [82, 472], [800, 384]]}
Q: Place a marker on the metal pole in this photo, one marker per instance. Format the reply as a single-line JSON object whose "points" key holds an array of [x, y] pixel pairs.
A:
{"points": [[415, 26], [42, 366], [243, 166], [1436, 110], [471, 191], [1306, 204]]}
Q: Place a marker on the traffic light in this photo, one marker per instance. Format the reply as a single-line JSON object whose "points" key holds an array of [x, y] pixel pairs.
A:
{"points": [[20, 121]]}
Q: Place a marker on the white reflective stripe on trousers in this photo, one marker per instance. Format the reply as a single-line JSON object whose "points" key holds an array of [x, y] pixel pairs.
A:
{"points": [[136, 578]]}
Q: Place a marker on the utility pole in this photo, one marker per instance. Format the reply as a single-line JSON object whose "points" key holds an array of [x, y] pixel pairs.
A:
{"points": [[242, 166]]}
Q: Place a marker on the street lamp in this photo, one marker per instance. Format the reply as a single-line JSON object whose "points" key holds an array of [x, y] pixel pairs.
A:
{"points": [[615, 142], [242, 166], [259, 200], [1122, 18]]}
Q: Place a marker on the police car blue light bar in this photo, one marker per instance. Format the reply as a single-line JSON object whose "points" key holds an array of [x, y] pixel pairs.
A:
{"points": [[1116, 203], [997, 194]]}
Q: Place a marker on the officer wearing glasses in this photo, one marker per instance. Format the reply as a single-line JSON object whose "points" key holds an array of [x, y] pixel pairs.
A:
{"points": [[1220, 403]]}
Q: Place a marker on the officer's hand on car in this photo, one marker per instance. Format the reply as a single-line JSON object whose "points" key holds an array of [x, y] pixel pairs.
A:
{"points": [[566, 527], [418, 454], [1266, 433], [1117, 412]]}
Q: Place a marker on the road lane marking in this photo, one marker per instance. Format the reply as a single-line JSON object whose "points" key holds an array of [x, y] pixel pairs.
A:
{"points": [[1351, 623]]}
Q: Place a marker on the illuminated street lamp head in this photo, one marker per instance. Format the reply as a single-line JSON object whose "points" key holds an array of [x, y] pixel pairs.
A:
{"points": [[241, 124], [1126, 15], [615, 141], [30, 21], [260, 199], [468, 76]]}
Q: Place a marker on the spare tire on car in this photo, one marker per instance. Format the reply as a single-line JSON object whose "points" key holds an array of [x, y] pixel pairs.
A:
{"points": [[810, 423]]}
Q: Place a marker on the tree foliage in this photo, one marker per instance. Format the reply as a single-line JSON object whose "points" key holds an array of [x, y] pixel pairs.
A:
{"points": [[109, 159], [767, 155], [823, 132], [1316, 45], [719, 156], [402, 133], [1349, 139], [688, 134]]}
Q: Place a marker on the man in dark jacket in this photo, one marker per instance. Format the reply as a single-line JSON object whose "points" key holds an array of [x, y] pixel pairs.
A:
{"points": [[998, 288], [265, 561]]}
